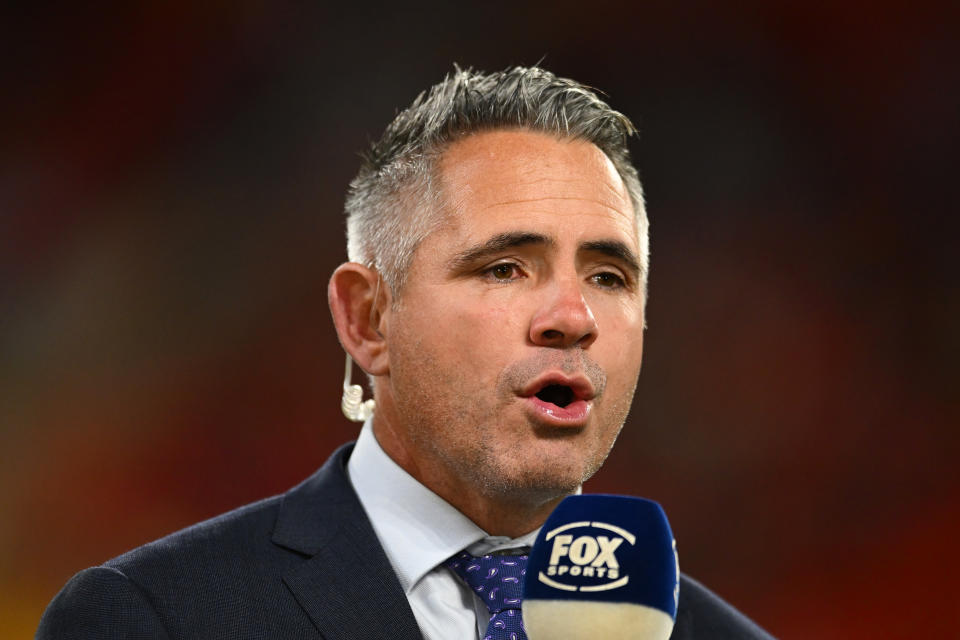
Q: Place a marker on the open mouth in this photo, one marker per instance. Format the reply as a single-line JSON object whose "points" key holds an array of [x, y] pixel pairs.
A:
{"points": [[559, 400], [558, 394]]}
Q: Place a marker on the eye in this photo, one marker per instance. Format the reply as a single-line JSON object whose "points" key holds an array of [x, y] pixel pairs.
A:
{"points": [[608, 280], [503, 272]]}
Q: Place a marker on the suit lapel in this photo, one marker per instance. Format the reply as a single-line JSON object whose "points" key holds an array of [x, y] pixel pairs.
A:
{"points": [[346, 586], [349, 596]]}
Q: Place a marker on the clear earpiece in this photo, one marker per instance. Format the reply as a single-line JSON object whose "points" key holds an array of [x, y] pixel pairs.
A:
{"points": [[353, 405]]}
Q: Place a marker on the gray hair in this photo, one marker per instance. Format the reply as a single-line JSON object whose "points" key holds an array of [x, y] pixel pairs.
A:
{"points": [[394, 201]]}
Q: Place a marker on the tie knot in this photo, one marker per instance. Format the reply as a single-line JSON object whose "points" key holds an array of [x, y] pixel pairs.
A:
{"points": [[496, 579]]}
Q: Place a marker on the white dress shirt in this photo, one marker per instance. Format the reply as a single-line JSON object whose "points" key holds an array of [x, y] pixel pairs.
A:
{"points": [[419, 530]]}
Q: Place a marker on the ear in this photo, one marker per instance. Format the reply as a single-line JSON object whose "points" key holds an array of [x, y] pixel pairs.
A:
{"points": [[357, 301]]}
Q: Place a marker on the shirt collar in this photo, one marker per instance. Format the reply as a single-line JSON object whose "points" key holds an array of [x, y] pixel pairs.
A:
{"points": [[417, 528]]}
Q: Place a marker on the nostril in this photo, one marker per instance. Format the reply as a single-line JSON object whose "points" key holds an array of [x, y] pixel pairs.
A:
{"points": [[552, 334]]}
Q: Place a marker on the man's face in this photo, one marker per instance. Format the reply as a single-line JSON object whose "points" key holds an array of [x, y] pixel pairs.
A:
{"points": [[516, 342]]}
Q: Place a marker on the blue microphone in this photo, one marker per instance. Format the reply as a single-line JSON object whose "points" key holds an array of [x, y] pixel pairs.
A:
{"points": [[603, 566]]}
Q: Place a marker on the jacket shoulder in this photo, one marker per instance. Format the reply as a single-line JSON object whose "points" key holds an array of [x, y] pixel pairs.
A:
{"points": [[211, 543], [703, 614], [100, 602]]}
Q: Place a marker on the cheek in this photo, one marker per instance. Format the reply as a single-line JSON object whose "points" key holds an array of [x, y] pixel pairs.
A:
{"points": [[488, 340], [499, 322], [621, 322], [485, 319], [630, 357], [465, 333], [621, 344]]}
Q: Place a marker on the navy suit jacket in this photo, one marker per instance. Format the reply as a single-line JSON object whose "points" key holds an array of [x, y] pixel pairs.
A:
{"points": [[305, 564]]}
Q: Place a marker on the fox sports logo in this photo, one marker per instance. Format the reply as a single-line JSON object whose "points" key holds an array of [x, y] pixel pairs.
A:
{"points": [[583, 557]]}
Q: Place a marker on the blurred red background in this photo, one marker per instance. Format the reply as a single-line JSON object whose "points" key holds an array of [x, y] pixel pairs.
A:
{"points": [[171, 187]]}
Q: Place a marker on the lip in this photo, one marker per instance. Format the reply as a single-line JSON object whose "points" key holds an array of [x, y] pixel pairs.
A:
{"points": [[575, 414], [580, 385]]}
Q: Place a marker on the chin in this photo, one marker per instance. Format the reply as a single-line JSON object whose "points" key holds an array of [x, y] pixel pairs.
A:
{"points": [[536, 482]]}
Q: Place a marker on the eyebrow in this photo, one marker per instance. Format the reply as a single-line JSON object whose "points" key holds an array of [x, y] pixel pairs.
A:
{"points": [[497, 244], [617, 250]]}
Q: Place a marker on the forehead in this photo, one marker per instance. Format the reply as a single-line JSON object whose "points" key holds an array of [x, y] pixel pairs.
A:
{"points": [[522, 178]]}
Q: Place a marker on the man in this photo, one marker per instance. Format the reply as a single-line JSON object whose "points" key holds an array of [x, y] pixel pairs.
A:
{"points": [[495, 295]]}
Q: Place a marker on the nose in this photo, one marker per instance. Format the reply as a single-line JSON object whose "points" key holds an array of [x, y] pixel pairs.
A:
{"points": [[564, 319]]}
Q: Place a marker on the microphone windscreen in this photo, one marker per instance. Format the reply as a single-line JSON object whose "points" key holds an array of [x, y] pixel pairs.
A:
{"points": [[603, 566]]}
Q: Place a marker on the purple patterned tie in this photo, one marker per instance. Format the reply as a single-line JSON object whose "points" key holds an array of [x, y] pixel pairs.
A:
{"points": [[498, 580]]}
